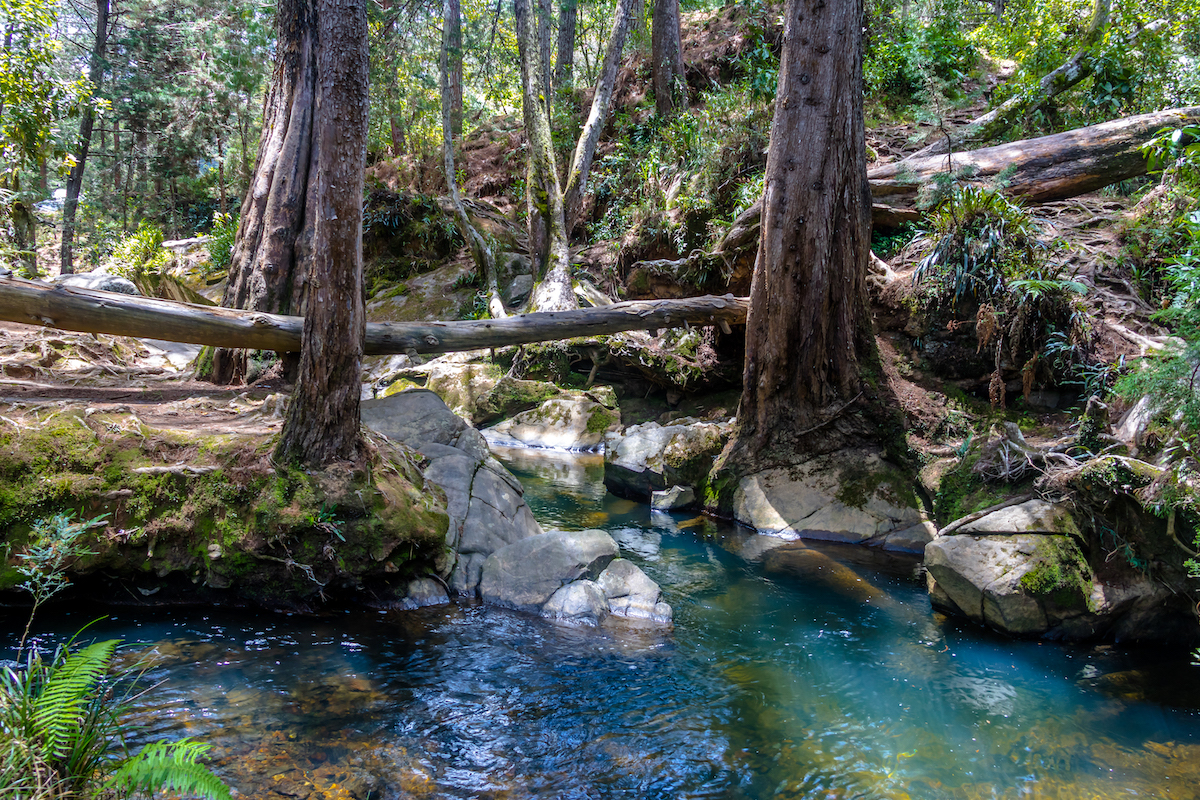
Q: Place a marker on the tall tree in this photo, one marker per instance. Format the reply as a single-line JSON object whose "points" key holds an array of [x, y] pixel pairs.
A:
{"points": [[808, 334], [564, 56], [277, 217], [323, 417], [666, 58], [452, 50], [86, 123]]}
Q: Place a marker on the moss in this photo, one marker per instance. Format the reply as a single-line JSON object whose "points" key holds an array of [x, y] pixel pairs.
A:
{"points": [[858, 484], [600, 420], [1060, 573]]}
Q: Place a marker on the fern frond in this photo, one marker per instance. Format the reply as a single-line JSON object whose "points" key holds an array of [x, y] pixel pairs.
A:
{"points": [[174, 766], [63, 700]]}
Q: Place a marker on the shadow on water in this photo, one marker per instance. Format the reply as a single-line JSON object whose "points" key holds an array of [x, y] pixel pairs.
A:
{"points": [[805, 672]]}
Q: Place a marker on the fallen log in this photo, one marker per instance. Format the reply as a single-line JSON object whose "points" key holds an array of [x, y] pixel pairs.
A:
{"points": [[90, 311]]}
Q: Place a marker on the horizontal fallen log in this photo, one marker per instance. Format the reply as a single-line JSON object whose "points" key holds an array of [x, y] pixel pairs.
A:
{"points": [[90, 311]]}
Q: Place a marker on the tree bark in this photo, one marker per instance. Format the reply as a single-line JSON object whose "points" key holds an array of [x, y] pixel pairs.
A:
{"points": [[1011, 111], [481, 251], [266, 271], [547, 243], [585, 149], [564, 58], [86, 123], [323, 419], [24, 237], [89, 311], [808, 334], [452, 47], [666, 59]]}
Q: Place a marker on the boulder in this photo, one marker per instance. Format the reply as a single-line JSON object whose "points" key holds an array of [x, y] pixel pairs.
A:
{"points": [[1032, 516], [579, 602], [630, 593], [563, 423], [673, 498], [524, 574], [518, 290], [100, 281], [848, 496], [648, 458], [423, 592], [484, 501]]}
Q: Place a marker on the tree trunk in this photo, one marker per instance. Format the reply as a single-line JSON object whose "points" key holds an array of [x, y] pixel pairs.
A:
{"points": [[808, 334], [564, 59], [89, 311], [116, 161], [24, 237], [323, 418], [452, 47], [265, 271], [666, 59], [545, 36], [548, 244], [585, 149], [222, 202], [86, 122], [481, 251], [1011, 111]]}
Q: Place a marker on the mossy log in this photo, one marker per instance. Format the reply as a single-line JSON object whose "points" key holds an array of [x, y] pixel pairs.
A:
{"points": [[89, 311]]}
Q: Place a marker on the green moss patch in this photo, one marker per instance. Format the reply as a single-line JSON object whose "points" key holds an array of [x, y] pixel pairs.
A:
{"points": [[1059, 572]]}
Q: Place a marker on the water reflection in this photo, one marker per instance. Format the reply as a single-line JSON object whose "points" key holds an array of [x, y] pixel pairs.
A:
{"points": [[774, 683]]}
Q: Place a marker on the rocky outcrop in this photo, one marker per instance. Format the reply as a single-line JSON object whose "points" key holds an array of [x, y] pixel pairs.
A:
{"points": [[854, 497], [101, 281], [571, 576], [561, 423], [484, 501], [1025, 570], [649, 458]]}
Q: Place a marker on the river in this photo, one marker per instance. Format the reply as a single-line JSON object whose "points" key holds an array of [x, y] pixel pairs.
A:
{"points": [[771, 684]]}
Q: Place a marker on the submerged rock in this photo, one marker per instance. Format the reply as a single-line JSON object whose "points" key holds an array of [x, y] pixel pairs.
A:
{"points": [[632, 594]]}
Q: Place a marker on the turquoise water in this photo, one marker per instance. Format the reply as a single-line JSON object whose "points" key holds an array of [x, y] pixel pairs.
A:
{"points": [[822, 677]]}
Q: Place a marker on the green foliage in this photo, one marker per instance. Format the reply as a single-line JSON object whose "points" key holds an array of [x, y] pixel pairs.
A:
{"points": [[907, 57], [220, 242], [54, 544], [140, 253], [62, 733]]}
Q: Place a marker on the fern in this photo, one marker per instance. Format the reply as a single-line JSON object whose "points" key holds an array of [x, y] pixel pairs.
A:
{"points": [[174, 766], [63, 701]]}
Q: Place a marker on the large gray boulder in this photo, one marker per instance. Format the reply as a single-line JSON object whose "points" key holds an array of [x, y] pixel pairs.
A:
{"points": [[648, 458], [560, 423], [631, 593], [100, 281], [579, 602], [484, 501], [524, 574], [850, 496]]}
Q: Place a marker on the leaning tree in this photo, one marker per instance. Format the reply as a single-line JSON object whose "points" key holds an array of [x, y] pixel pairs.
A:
{"points": [[809, 342]]}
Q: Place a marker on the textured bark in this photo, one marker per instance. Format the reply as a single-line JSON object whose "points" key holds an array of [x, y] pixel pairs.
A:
{"points": [[585, 149], [548, 233], [666, 62], [564, 58], [86, 122], [323, 417], [1011, 111], [808, 334], [24, 228], [452, 48], [265, 273], [89, 311], [481, 251]]}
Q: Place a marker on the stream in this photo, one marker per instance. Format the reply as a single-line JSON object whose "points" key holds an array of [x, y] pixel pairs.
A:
{"points": [[772, 684]]}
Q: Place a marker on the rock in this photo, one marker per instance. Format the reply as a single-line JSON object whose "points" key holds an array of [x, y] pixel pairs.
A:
{"points": [[1032, 516], [484, 501], [100, 281], [852, 497], [424, 592], [1132, 426], [518, 290], [579, 602], [673, 498], [524, 574], [1023, 584], [650, 457], [632, 594], [909, 540], [573, 423]]}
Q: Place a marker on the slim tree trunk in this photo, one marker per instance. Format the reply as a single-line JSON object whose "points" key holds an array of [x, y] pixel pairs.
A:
{"points": [[116, 160], [550, 248], [323, 417], [564, 59], [222, 205], [585, 149], [24, 237], [666, 62], [86, 123], [453, 47], [481, 251], [263, 270], [808, 333], [545, 37]]}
